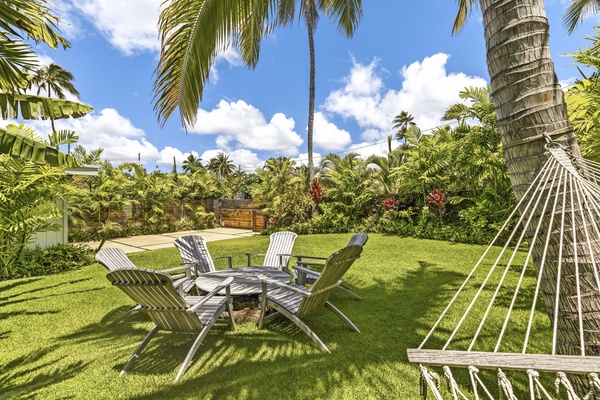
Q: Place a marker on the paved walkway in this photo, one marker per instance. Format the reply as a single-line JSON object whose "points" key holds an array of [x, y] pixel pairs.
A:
{"points": [[152, 242]]}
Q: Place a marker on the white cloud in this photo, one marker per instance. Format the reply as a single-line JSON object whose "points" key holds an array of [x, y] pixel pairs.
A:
{"points": [[242, 158], [327, 136], [230, 56], [130, 26], [427, 90], [366, 149], [246, 126], [302, 159]]}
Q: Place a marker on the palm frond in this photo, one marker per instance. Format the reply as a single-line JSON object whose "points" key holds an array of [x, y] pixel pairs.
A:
{"points": [[15, 58], [348, 13], [34, 18], [579, 10]]}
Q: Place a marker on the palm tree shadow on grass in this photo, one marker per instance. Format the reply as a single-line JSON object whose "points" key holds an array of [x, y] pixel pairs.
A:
{"points": [[28, 365], [38, 293]]}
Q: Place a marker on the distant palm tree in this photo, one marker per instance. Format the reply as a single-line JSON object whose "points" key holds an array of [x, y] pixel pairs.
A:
{"points": [[221, 165], [53, 78], [402, 122], [192, 164]]}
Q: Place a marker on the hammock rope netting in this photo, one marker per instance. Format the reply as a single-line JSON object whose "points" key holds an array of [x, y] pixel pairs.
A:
{"points": [[530, 305]]}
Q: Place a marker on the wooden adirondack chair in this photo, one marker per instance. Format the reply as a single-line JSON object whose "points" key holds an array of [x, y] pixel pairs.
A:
{"points": [[296, 301], [279, 250], [194, 252], [156, 295], [115, 259], [305, 278]]}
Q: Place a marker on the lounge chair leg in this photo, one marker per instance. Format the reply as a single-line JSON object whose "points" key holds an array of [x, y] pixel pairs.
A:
{"points": [[126, 315], [345, 290], [230, 311], [300, 324], [193, 350], [140, 348], [263, 305], [346, 320]]}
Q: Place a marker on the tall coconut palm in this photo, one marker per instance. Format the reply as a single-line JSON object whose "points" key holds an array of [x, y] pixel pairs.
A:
{"points": [[193, 32], [529, 103], [54, 80]]}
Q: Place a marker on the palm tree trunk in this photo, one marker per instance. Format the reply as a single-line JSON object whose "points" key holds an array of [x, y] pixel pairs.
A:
{"points": [[529, 103], [310, 22]]}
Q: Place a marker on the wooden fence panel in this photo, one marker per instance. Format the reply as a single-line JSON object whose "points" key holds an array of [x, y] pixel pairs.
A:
{"points": [[244, 219]]}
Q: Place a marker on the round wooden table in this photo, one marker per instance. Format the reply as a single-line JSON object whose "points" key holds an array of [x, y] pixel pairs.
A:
{"points": [[245, 280]]}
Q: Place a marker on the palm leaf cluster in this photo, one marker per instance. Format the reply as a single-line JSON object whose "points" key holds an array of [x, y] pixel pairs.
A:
{"points": [[19, 20]]}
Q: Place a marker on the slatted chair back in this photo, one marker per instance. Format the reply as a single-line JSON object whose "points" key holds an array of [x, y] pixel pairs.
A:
{"points": [[193, 250], [113, 259], [279, 243], [358, 239], [155, 293], [335, 267]]}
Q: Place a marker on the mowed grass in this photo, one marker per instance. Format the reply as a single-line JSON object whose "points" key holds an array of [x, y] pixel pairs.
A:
{"points": [[56, 342]]}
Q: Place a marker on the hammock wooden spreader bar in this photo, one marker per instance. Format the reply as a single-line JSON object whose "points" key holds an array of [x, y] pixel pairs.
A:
{"points": [[518, 361]]}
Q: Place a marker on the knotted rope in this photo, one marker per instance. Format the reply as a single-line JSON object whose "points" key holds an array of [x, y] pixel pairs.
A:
{"points": [[563, 380], [594, 391], [535, 385], [505, 388], [429, 379], [452, 385], [476, 381]]}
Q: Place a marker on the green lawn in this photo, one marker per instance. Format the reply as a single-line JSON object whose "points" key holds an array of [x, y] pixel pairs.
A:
{"points": [[55, 342]]}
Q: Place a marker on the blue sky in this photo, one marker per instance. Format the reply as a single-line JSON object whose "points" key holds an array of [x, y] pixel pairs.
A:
{"points": [[402, 57]]}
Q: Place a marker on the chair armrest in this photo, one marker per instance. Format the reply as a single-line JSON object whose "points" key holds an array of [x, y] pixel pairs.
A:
{"points": [[250, 255], [302, 272], [312, 260], [268, 281], [224, 285], [300, 257], [186, 268], [305, 270], [229, 258], [180, 268]]}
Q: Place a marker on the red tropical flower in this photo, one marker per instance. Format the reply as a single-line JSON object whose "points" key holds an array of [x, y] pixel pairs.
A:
{"points": [[389, 204], [437, 198], [316, 191]]}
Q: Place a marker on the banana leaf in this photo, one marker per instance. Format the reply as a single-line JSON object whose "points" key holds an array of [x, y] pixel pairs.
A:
{"points": [[31, 150], [27, 106]]}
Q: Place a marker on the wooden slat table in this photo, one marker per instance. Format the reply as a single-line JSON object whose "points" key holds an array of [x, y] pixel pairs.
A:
{"points": [[245, 280]]}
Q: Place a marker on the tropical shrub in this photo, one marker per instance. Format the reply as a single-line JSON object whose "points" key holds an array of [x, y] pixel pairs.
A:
{"points": [[282, 192], [50, 260], [28, 203]]}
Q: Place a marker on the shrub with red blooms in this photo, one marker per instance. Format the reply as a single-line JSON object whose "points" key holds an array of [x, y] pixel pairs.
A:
{"points": [[389, 204], [316, 191], [437, 198]]}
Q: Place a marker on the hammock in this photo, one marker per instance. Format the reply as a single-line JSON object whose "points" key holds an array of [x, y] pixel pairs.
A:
{"points": [[498, 320]]}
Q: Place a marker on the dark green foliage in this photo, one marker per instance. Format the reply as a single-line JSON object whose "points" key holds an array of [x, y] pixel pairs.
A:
{"points": [[51, 260]]}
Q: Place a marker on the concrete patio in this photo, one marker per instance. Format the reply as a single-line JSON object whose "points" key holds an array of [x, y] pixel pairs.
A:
{"points": [[152, 242]]}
